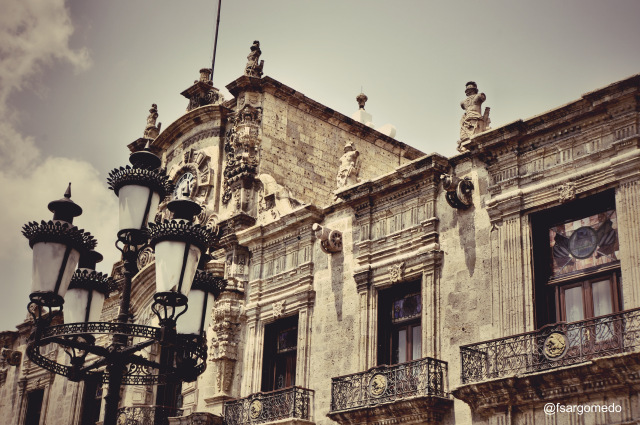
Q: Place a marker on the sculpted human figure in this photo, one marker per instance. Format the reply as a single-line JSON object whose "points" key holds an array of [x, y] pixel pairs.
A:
{"points": [[253, 68], [473, 121], [348, 171]]}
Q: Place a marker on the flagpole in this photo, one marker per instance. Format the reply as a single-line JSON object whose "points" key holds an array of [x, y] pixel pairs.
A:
{"points": [[215, 41]]}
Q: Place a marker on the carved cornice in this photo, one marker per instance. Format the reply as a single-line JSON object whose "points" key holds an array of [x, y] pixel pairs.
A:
{"points": [[184, 124]]}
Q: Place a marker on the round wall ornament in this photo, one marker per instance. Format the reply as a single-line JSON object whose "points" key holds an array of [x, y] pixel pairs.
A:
{"points": [[555, 346], [377, 384]]}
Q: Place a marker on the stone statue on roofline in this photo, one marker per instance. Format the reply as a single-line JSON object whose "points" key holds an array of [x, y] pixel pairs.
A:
{"points": [[349, 167], [151, 131], [253, 68], [473, 121]]}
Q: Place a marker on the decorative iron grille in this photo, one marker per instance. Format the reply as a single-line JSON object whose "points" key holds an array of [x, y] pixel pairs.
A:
{"points": [[553, 346], [294, 402], [384, 384], [146, 415]]}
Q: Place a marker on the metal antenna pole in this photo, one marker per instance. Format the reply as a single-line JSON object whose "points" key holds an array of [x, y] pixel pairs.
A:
{"points": [[215, 41]]}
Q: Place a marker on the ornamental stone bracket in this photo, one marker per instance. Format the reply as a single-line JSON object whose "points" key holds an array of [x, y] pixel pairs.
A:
{"points": [[458, 191], [586, 382], [330, 240]]}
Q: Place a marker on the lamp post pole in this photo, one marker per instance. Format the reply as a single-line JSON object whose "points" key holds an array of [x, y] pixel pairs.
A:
{"points": [[179, 244]]}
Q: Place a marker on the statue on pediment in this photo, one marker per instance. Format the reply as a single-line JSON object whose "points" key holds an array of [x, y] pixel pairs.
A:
{"points": [[349, 167], [254, 64], [473, 121]]}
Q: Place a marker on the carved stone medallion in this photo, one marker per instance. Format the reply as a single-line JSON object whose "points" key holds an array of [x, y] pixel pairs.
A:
{"points": [[377, 385], [567, 192], [555, 346], [255, 408]]}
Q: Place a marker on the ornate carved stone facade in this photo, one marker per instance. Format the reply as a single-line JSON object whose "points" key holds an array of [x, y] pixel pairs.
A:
{"points": [[392, 298]]}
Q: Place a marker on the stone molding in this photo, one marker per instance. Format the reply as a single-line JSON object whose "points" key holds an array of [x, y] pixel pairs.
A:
{"points": [[197, 418]]}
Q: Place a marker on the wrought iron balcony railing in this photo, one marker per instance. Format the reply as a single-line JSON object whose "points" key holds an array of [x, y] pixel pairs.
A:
{"points": [[146, 415], [293, 402], [553, 346], [384, 384]]}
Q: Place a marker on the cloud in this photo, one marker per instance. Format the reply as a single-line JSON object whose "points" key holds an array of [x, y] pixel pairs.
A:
{"points": [[34, 36]]}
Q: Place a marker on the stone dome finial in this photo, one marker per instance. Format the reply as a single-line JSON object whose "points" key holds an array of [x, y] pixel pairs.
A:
{"points": [[361, 99]]}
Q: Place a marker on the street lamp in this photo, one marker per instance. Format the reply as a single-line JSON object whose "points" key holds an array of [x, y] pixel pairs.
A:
{"points": [[59, 247]]}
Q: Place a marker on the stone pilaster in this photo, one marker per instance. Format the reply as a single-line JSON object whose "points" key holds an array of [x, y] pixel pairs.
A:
{"points": [[627, 207]]}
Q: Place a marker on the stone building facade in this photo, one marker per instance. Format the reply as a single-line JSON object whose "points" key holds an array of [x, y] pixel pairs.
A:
{"points": [[369, 283]]}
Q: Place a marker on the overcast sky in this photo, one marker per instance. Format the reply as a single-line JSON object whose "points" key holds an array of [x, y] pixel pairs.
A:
{"points": [[77, 79]]}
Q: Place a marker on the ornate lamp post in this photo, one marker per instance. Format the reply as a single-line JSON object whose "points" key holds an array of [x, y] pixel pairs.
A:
{"points": [[59, 247]]}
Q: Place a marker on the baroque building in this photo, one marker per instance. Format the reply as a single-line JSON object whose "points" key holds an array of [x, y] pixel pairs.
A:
{"points": [[369, 283]]}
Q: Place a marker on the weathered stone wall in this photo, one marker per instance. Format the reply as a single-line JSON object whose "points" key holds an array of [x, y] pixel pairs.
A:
{"points": [[302, 151]]}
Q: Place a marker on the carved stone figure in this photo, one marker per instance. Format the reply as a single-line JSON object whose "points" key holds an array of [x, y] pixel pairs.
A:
{"points": [[253, 68], [151, 131], [473, 121], [349, 167]]}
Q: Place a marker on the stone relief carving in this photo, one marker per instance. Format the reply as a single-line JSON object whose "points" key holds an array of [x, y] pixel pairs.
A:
{"points": [[473, 121], [253, 68], [458, 191], [274, 200], [278, 309], [330, 240], [396, 272], [241, 147], [567, 192], [151, 131], [228, 314], [349, 167]]}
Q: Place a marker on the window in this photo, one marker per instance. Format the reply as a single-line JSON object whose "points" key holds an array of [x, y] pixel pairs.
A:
{"points": [[280, 350], [34, 407], [576, 260], [399, 324]]}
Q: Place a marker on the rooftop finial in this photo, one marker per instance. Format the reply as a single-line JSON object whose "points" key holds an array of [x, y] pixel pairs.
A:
{"points": [[64, 208], [361, 99]]}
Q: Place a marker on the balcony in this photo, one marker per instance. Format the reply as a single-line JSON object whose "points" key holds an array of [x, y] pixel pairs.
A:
{"points": [[292, 403], [553, 346], [146, 415], [415, 391], [552, 363]]}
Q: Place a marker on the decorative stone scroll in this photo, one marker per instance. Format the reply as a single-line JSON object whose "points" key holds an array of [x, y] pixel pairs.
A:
{"points": [[330, 240], [459, 191]]}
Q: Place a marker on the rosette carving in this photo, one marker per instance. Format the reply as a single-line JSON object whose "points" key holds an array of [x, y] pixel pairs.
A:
{"points": [[181, 230], [58, 231], [119, 177]]}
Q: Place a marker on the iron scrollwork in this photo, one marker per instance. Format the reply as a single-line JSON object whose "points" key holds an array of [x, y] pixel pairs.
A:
{"points": [[383, 384], [557, 345], [294, 402]]}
